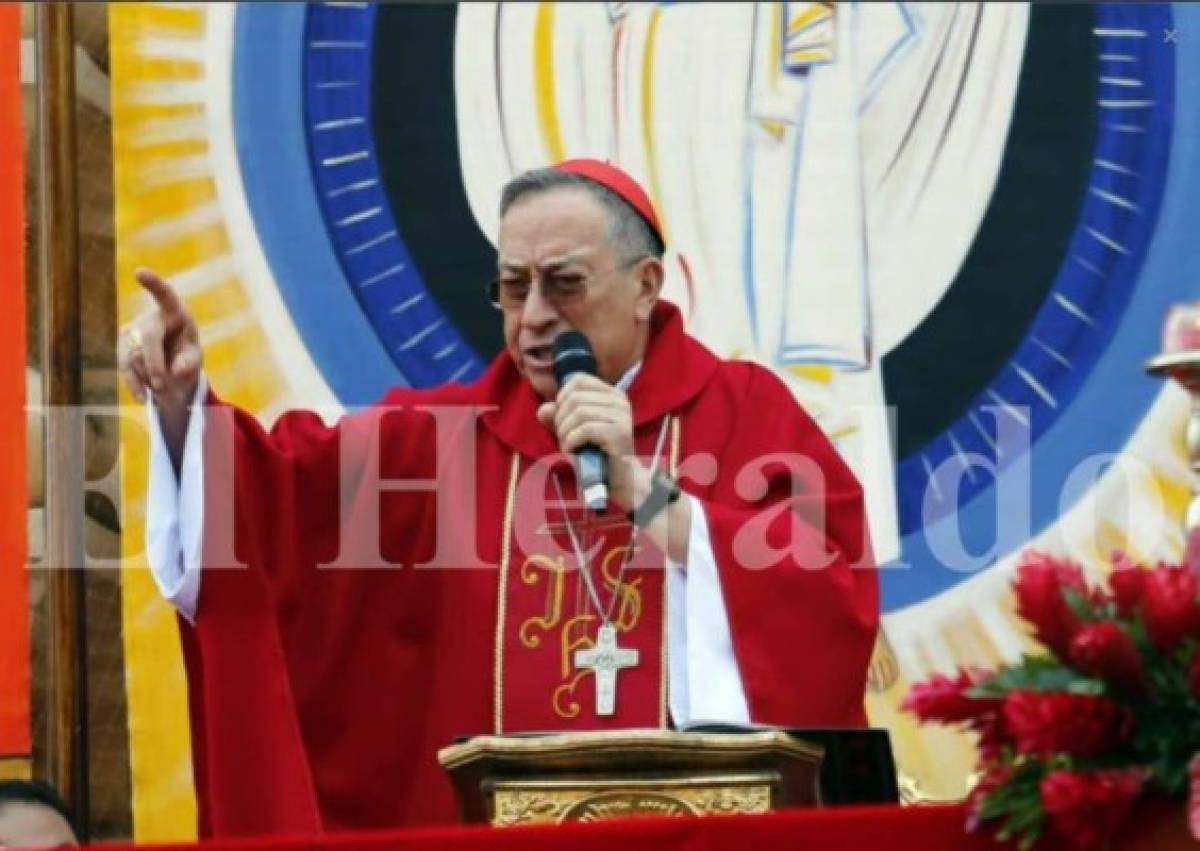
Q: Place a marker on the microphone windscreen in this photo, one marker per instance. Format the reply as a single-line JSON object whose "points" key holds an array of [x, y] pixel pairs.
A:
{"points": [[572, 354]]}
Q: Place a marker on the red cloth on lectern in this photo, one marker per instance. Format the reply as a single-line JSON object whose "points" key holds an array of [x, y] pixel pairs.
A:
{"points": [[320, 697]]}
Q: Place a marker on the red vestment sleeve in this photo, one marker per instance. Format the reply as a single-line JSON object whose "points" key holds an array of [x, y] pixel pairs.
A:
{"points": [[265, 646], [789, 535], [251, 768]]}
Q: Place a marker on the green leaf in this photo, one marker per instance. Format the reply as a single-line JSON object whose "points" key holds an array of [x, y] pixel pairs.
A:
{"points": [[1016, 804], [1080, 605], [1141, 638], [1036, 673], [1030, 839]]}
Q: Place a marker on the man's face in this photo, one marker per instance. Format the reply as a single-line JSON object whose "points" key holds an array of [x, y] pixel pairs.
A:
{"points": [[26, 824], [556, 255]]}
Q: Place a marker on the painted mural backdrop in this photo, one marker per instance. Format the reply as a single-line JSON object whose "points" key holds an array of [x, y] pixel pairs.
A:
{"points": [[970, 215]]}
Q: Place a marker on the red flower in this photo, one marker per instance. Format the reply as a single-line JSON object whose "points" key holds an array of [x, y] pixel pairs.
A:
{"points": [[1169, 606], [1039, 586], [1044, 724], [992, 734], [995, 777], [1127, 582], [944, 699], [1105, 650], [1088, 808], [1193, 810]]}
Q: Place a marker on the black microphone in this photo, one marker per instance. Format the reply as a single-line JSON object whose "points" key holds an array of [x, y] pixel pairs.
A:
{"points": [[573, 354]]}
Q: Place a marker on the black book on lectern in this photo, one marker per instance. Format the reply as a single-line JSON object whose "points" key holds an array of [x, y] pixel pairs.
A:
{"points": [[857, 769]]}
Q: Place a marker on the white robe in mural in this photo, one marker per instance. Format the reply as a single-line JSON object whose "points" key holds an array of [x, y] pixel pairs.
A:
{"points": [[820, 169]]}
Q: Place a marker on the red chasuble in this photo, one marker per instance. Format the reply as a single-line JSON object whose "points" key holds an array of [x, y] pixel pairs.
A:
{"points": [[406, 578]]}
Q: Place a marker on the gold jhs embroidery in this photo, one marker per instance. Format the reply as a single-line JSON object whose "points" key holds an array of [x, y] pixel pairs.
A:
{"points": [[578, 631]]}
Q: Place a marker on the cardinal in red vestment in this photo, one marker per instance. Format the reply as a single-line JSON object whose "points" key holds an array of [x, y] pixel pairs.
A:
{"points": [[355, 597]]}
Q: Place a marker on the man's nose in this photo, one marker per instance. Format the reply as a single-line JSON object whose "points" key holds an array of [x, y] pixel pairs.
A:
{"points": [[538, 311]]}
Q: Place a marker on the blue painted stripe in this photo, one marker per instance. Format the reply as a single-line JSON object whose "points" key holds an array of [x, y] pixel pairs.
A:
{"points": [[273, 155]]}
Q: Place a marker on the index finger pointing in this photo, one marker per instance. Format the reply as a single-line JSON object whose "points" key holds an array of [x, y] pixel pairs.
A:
{"points": [[166, 298]]}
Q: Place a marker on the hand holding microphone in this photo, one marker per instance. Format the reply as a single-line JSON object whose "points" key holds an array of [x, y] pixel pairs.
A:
{"points": [[594, 421]]}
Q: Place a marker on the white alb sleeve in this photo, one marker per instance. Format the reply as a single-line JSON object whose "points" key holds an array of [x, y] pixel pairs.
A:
{"points": [[175, 509], [703, 681]]}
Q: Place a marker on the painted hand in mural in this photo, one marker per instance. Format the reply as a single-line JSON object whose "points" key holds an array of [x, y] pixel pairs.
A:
{"points": [[160, 354]]}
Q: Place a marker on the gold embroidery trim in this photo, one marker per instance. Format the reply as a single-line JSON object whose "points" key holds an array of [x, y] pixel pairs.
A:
{"points": [[502, 603]]}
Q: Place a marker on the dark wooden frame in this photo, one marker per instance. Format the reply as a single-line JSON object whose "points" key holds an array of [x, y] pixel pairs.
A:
{"points": [[61, 354]]}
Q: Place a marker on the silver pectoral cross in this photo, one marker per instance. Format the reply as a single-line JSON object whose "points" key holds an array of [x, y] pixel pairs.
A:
{"points": [[605, 660]]}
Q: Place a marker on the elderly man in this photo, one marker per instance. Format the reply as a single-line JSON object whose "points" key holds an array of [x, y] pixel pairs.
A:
{"points": [[321, 691]]}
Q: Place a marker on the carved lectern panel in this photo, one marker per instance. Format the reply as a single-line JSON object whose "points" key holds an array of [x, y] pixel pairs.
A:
{"points": [[628, 773]]}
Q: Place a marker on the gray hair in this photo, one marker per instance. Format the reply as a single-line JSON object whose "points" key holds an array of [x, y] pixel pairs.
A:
{"points": [[629, 232]]}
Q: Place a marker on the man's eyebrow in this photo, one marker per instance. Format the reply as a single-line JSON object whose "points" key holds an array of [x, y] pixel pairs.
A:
{"points": [[552, 263]]}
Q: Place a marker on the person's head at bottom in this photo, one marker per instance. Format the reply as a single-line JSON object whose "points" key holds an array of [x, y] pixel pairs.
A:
{"points": [[580, 248], [32, 815]]}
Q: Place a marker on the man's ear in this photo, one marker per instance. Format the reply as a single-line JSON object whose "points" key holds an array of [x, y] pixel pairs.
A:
{"points": [[650, 276]]}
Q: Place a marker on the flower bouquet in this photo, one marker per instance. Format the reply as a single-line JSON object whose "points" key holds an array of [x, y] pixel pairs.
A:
{"points": [[1070, 739]]}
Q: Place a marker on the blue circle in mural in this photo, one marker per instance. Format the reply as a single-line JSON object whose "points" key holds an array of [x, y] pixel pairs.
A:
{"points": [[388, 251]]}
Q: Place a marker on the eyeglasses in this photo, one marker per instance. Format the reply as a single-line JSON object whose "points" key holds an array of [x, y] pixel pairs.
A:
{"points": [[560, 287]]}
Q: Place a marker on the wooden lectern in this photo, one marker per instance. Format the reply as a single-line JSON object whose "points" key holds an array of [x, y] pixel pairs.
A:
{"points": [[558, 777]]}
